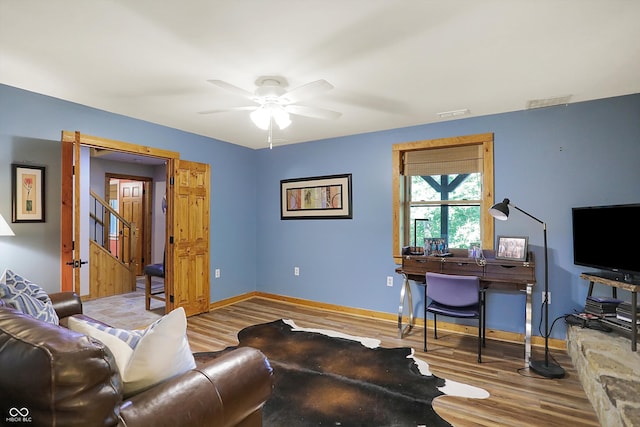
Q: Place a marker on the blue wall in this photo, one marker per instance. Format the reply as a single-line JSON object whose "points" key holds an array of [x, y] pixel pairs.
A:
{"points": [[546, 161], [30, 131]]}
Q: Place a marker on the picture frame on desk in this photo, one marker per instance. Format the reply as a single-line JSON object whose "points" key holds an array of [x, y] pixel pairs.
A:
{"points": [[435, 245], [513, 248]]}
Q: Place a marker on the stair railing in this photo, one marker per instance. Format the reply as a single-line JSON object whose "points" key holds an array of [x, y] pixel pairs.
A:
{"points": [[110, 230]]}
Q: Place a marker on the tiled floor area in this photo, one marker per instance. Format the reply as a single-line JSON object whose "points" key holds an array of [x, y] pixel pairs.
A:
{"points": [[125, 311]]}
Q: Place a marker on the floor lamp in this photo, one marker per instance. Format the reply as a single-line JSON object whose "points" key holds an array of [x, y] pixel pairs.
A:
{"points": [[545, 368]]}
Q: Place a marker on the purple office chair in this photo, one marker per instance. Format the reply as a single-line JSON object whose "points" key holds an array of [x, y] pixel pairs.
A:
{"points": [[455, 296]]}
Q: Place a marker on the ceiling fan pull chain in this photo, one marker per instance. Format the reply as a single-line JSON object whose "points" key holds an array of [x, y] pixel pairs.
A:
{"points": [[270, 136]]}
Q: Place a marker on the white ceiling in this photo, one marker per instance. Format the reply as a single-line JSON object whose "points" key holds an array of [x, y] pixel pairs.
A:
{"points": [[392, 63]]}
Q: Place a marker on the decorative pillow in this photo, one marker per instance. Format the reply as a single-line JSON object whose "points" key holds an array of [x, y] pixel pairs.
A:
{"points": [[27, 297], [145, 357]]}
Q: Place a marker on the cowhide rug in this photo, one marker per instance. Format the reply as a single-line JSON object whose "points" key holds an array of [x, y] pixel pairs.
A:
{"points": [[328, 378]]}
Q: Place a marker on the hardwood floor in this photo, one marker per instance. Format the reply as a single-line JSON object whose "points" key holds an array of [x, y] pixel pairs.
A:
{"points": [[518, 397]]}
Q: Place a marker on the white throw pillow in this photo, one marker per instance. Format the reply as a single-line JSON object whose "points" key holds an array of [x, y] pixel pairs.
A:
{"points": [[147, 357]]}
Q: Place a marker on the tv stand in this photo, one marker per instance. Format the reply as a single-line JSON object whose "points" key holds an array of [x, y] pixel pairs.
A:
{"points": [[614, 281], [618, 277]]}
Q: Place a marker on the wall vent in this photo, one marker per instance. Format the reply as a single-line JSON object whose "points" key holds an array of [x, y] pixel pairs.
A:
{"points": [[454, 113], [548, 102]]}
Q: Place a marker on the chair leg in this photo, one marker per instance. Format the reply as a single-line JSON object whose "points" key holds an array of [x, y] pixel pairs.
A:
{"points": [[425, 328], [480, 333], [147, 292], [435, 326], [425, 332], [483, 307]]}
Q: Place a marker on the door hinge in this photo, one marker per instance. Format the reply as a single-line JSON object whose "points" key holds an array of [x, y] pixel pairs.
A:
{"points": [[171, 181], [171, 298], [171, 240], [73, 245]]}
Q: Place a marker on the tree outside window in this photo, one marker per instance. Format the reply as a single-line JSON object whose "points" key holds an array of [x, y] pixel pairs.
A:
{"points": [[448, 181]]}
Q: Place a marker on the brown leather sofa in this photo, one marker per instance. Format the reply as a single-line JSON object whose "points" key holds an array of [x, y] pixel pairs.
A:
{"points": [[53, 376]]}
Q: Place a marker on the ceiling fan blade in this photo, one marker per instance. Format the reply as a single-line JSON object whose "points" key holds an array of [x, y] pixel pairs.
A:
{"points": [[316, 113], [231, 88], [225, 110], [306, 90]]}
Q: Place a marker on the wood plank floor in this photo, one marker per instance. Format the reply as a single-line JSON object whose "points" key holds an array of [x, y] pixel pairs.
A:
{"points": [[518, 397]]}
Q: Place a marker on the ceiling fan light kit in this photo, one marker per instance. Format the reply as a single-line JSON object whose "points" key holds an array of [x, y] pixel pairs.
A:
{"points": [[274, 104], [265, 115]]}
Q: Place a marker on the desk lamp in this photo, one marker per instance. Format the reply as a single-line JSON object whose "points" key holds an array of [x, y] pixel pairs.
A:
{"points": [[500, 211]]}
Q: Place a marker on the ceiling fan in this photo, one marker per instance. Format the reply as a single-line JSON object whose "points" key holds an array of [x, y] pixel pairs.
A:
{"points": [[273, 103]]}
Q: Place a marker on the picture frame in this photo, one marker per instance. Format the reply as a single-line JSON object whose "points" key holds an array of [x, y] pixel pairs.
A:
{"points": [[27, 193], [435, 245], [319, 197], [513, 248]]}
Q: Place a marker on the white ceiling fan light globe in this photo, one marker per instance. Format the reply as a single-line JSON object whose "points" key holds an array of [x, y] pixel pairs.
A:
{"points": [[261, 117], [280, 116]]}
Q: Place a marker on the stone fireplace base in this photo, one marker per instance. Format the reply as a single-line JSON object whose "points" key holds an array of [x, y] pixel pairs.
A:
{"points": [[609, 372]]}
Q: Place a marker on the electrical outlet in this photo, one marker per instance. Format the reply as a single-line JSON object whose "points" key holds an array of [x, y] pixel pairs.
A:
{"points": [[389, 280], [296, 271], [548, 297], [217, 273]]}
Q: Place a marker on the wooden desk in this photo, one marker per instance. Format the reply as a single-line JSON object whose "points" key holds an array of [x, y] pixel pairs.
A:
{"points": [[493, 273], [633, 287]]}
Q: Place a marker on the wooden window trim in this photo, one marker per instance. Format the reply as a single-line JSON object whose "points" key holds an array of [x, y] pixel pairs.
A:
{"points": [[399, 192]]}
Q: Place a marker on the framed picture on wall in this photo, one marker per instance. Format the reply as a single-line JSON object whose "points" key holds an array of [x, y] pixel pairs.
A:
{"points": [[27, 193], [513, 248], [320, 197]]}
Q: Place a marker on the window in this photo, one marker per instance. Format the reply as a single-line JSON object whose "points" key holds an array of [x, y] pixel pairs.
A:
{"points": [[443, 188]]}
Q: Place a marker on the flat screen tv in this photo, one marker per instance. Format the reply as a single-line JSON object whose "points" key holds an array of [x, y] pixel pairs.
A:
{"points": [[608, 238]]}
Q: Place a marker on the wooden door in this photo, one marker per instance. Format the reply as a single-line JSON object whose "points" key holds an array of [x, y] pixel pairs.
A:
{"points": [[71, 259], [131, 203], [66, 217], [188, 284]]}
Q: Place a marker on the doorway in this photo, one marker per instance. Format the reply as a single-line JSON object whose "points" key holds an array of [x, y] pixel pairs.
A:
{"points": [[131, 196], [187, 223]]}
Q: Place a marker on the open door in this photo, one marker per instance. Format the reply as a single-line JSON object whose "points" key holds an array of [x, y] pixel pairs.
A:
{"points": [[66, 217], [72, 259], [187, 281], [75, 147]]}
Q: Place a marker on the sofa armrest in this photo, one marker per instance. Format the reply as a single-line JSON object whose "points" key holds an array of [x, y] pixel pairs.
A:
{"points": [[221, 393], [66, 303]]}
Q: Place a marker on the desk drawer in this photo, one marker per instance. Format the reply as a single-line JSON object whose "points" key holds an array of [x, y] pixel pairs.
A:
{"points": [[511, 272], [420, 265], [462, 268]]}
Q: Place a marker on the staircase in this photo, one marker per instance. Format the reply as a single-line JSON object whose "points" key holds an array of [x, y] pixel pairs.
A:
{"points": [[113, 243]]}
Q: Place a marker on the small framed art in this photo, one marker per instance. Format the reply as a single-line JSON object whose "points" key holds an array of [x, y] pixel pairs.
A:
{"points": [[513, 248], [435, 245], [27, 193], [320, 197]]}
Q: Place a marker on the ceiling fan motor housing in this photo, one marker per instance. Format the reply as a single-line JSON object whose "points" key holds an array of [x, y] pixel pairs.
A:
{"points": [[270, 88]]}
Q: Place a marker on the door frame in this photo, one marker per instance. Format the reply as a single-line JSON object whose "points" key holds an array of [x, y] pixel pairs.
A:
{"points": [[75, 138], [147, 197]]}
